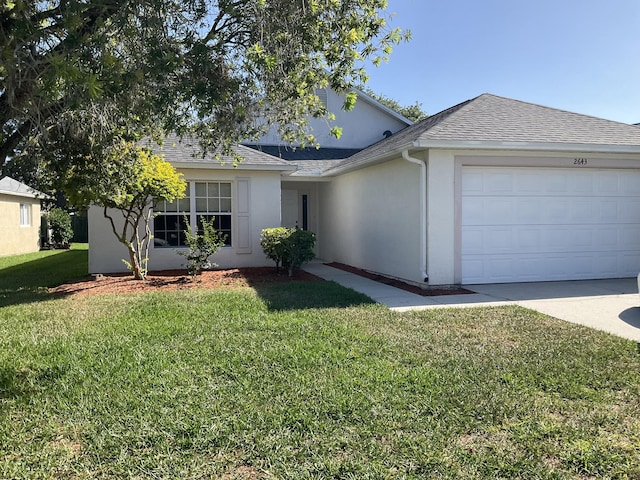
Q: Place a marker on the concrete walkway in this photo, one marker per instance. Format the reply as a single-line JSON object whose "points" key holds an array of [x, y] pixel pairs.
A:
{"points": [[609, 305]]}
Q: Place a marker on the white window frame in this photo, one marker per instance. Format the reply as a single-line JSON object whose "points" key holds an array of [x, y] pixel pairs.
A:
{"points": [[193, 213], [25, 214]]}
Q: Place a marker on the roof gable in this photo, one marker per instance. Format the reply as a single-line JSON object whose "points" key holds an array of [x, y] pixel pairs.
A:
{"points": [[498, 122], [9, 186]]}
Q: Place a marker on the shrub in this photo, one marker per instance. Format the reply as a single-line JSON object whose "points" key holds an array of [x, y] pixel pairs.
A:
{"points": [[59, 222], [201, 247], [288, 247], [273, 243]]}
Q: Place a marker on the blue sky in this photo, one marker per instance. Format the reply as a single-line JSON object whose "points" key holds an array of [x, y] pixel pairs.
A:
{"points": [[577, 55]]}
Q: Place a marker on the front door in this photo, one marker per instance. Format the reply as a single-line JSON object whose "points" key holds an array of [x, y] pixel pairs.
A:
{"points": [[295, 208]]}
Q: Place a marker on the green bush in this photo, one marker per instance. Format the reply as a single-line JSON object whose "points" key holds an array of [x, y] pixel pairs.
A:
{"points": [[59, 222], [288, 247], [201, 247]]}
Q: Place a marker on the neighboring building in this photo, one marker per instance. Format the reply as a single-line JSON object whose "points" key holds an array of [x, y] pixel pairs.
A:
{"points": [[19, 217], [490, 190]]}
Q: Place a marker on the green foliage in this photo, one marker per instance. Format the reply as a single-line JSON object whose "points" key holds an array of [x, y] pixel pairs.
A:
{"points": [[274, 244], [201, 247], [414, 112], [302, 380], [134, 180], [75, 76], [288, 247], [59, 222]]}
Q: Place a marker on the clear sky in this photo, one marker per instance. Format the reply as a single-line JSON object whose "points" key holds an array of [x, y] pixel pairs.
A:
{"points": [[577, 55]]}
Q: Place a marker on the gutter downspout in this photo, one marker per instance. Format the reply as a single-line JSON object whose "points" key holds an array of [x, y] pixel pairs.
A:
{"points": [[423, 211]]}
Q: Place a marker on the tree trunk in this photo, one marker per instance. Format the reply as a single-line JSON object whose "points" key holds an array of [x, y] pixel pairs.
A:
{"points": [[138, 274]]}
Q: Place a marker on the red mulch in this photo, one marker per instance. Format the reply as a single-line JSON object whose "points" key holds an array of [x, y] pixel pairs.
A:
{"points": [[425, 292], [179, 280]]}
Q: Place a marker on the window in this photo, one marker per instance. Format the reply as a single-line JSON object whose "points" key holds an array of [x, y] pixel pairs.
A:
{"points": [[25, 215], [213, 199], [202, 200]]}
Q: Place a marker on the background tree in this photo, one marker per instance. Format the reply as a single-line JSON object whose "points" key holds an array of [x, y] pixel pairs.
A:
{"points": [[414, 112], [135, 180], [79, 75]]}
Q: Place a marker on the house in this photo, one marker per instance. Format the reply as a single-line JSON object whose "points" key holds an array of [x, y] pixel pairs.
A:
{"points": [[491, 190], [19, 217]]}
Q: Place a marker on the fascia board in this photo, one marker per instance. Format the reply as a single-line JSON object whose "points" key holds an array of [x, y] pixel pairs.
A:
{"points": [[36, 194], [365, 162], [229, 166], [525, 146]]}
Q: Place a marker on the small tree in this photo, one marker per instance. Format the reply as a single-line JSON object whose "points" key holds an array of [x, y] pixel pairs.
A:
{"points": [[135, 180], [201, 247], [59, 222]]}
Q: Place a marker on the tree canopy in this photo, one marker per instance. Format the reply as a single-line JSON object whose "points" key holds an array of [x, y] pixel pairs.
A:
{"points": [[413, 112], [79, 75], [137, 181]]}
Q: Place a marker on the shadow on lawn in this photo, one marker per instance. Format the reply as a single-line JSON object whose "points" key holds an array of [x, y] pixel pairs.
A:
{"points": [[308, 294], [28, 282]]}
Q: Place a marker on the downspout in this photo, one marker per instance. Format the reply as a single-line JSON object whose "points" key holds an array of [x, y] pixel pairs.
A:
{"points": [[423, 211]]}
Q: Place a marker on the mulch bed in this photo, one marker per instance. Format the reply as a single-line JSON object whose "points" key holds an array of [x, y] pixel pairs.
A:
{"points": [[425, 292], [179, 280]]}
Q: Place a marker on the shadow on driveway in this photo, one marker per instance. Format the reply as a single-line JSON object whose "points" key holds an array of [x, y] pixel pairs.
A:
{"points": [[631, 316]]}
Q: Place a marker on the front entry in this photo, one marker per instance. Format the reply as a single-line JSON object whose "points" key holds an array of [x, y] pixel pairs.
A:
{"points": [[295, 208]]}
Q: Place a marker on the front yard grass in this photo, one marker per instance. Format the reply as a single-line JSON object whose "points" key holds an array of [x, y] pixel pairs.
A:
{"points": [[245, 384]]}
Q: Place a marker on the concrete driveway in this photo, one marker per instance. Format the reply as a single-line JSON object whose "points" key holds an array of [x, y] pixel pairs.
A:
{"points": [[609, 305]]}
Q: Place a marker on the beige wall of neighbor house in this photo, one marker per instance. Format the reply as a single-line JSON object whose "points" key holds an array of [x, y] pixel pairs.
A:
{"points": [[14, 237], [255, 205], [369, 219], [361, 127]]}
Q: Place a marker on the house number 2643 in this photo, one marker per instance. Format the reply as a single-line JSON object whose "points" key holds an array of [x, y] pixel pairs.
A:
{"points": [[580, 161]]}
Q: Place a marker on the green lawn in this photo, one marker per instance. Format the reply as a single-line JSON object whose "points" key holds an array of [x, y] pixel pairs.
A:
{"points": [[310, 381]]}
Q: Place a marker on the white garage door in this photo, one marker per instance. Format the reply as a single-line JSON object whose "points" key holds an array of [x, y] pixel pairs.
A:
{"points": [[538, 224]]}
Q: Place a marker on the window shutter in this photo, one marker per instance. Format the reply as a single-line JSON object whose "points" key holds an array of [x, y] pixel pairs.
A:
{"points": [[243, 216]]}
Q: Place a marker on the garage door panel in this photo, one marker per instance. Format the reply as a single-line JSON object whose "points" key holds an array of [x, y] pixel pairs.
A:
{"points": [[629, 264], [629, 212], [522, 224], [608, 184]]}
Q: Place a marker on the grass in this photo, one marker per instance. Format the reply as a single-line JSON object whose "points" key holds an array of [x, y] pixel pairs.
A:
{"points": [[280, 384], [25, 278]]}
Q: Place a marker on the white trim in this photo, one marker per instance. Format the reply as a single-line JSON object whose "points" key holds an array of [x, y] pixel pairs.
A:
{"points": [[208, 165], [520, 146], [367, 161], [26, 215]]}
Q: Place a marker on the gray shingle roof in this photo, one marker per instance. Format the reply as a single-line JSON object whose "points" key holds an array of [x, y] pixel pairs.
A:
{"points": [[314, 167], [492, 118], [498, 120], [187, 150], [13, 187]]}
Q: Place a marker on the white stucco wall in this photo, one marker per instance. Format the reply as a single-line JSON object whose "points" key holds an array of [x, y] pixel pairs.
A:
{"points": [[361, 127], [105, 252], [15, 238], [442, 201], [369, 219]]}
